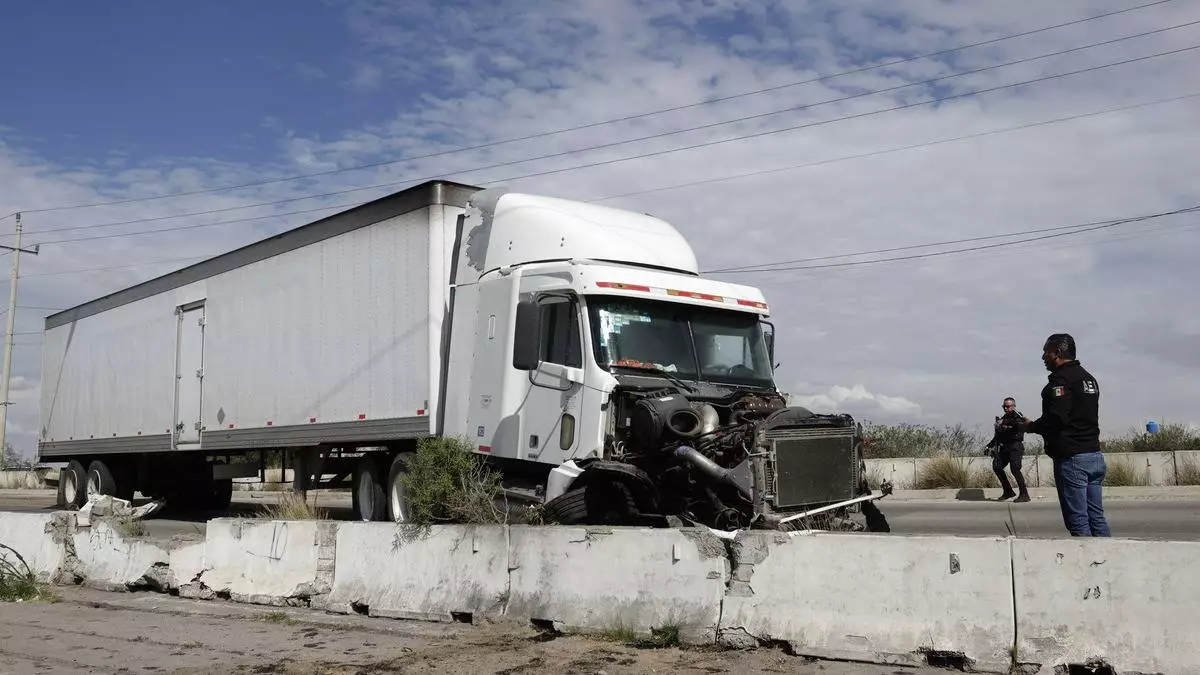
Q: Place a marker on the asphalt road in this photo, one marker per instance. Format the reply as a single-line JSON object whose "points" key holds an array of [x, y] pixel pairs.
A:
{"points": [[1161, 515], [94, 632]]}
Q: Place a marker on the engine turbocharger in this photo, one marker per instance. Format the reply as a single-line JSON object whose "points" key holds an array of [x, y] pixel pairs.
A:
{"points": [[664, 418]]}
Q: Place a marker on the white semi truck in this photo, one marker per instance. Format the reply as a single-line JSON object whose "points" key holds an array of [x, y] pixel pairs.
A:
{"points": [[575, 345]]}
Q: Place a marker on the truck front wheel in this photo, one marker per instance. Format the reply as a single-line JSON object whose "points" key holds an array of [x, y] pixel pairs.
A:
{"points": [[597, 503]]}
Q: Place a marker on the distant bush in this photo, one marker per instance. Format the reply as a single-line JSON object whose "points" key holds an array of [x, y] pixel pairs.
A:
{"points": [[1170, 438], [918, 440]]}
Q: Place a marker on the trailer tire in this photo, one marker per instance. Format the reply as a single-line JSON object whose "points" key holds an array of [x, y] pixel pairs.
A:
{"points": [[100, 480], [397, 494], [599, 503], [74, 485], [221, 494], [368, 497]]}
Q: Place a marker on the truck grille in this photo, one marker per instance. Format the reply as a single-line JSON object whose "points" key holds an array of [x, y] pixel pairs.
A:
{"points": [[813, 466]]}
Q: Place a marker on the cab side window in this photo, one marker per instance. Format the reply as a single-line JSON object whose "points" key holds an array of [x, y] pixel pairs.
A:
{"points": [[560, 337]]}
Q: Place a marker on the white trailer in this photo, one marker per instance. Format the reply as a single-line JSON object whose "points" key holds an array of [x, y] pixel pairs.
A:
{"points": [[575, 345]]}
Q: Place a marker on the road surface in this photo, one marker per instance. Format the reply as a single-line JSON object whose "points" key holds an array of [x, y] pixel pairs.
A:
{"points": [[1165, 514], [94, 632]]}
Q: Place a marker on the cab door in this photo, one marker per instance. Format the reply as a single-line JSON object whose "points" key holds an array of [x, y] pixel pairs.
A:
{"points": [[551, 411]]}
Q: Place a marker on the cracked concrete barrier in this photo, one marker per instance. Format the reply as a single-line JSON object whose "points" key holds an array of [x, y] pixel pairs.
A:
{"points": [[37, 538], [266, 562], [885, 599], [599, 579], [1129, 603], [437, 573], [102, 556]]}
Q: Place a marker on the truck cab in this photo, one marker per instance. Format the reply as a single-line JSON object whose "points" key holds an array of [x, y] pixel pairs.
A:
{"points": [[600, 354]]}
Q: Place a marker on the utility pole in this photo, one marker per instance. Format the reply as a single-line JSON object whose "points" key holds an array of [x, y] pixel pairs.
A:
{"points": [[8, 334]]}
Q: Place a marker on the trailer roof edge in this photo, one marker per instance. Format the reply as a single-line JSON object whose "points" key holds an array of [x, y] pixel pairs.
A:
{"points": [[430, 193]]}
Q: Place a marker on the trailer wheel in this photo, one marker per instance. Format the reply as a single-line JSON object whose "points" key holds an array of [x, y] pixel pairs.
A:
{"points": [[397, 494], [73, 479], [370, 502], [100, 480], [220, 495]]}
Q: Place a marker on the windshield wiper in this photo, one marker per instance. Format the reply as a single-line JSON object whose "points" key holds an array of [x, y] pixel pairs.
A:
{"points": [[659, 371]]}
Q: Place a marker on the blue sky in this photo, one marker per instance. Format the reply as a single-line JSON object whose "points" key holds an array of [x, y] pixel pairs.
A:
{"points": [[107, 101]]}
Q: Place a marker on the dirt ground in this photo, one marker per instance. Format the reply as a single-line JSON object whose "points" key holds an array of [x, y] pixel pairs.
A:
{"points": [[94, 632]]}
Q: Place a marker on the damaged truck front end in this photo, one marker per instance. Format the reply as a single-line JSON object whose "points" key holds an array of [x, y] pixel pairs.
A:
{"points": [[698, 433]]}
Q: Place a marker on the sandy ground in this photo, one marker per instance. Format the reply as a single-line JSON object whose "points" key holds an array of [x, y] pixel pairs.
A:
{"points": [[94, 632]]}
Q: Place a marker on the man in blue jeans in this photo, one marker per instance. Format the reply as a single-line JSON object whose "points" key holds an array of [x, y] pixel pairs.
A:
{"points": [[1071, 429]]}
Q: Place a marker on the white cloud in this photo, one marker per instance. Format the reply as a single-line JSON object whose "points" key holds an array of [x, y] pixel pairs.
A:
{"points": [[955, 333], [858, 401]]}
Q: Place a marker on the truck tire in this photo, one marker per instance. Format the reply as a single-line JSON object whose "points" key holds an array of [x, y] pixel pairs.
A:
{"points": [[221, 494], [100, 480], [369, 499], [397, 495], [600, 503], [74, 485]]}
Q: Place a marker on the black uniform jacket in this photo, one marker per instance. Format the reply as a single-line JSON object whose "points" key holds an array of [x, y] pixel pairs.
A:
{"points": [[1070, 412]]}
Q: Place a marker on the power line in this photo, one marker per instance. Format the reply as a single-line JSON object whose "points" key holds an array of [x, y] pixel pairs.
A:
{"points": [[767, 267], [639, 156], [95, 226], [1019, 248], [1098, 226], [146, 263], [615, 120], [887, 151]]}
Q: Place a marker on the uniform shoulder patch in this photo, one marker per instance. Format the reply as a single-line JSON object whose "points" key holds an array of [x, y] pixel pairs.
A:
{"points": [[1058, 391], [1089, 386]]}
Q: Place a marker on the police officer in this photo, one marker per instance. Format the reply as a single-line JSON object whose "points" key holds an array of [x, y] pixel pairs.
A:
{"points": [[1007, 447], [1071, 429]]}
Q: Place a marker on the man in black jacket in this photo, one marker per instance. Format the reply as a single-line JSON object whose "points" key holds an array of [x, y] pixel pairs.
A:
{"points": [[1008, 448], [1071, 429]]}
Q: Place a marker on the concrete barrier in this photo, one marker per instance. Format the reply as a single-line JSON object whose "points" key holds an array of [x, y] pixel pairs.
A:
{"points": [[106, 558], [32, 536], [618, 579], [895, 600], [267, 562], [434, 573], [902, 472], [1132, 604]]}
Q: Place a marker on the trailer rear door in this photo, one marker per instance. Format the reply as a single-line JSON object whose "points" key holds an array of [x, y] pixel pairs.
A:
{"points": [[189, 375]]}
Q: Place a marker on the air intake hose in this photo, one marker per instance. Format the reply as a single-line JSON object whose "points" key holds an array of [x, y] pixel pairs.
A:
{"points": [[709, 468]]}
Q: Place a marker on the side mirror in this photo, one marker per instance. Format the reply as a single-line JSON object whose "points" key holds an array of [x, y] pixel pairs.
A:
{"points": [[526, 348]]}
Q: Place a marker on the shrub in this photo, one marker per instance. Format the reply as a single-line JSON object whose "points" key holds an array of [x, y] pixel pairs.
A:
{"points": [[17, 583], [1170, 438], [947, 472], [918, 440], [291, 506], [447, 483], [1122, 472], [1187, 473]]}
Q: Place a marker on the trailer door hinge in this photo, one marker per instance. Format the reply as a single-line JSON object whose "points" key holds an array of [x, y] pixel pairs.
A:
{"points": [[202, 321], [200, 372]]}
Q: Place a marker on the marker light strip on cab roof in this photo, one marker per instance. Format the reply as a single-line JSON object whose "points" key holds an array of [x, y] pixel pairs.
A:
{"points": [[618, 285]]}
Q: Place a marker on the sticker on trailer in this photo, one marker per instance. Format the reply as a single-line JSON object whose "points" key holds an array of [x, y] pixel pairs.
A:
{"points": [[479, 432]]}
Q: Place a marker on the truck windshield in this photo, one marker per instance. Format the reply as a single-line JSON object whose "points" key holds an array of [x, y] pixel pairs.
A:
{"points": [[697, 343]]}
